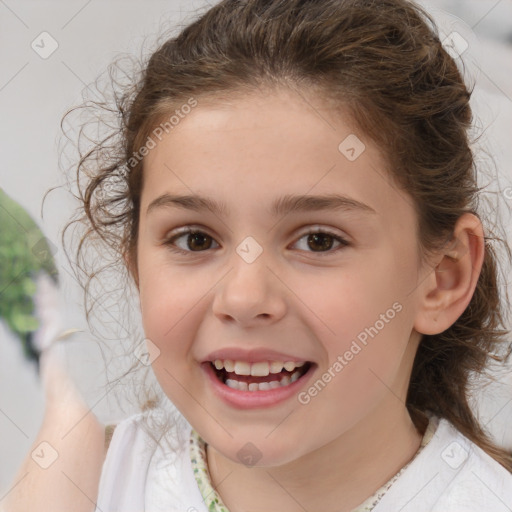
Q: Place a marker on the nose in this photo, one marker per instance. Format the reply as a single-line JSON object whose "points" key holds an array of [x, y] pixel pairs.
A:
{"points": [[250, 294]]}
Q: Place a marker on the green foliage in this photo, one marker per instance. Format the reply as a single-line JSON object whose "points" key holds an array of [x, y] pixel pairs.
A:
{"points": [[24, 252]]}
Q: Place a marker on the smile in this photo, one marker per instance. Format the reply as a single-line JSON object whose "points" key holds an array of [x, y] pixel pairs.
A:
{"points": [[257, 378]]}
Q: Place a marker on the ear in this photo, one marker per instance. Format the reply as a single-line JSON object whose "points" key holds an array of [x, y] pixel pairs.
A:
{"points": [[448, 289]]}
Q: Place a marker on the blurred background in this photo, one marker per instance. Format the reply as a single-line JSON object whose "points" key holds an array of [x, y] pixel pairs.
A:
{"points": [[51, 51]]}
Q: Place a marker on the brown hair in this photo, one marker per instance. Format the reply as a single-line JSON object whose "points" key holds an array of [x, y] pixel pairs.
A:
{"points": [[384, 62]]}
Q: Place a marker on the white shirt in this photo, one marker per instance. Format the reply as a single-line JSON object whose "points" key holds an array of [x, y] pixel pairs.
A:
{"points": [[450, 474]]}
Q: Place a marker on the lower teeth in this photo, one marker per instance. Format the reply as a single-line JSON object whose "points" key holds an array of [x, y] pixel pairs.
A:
{"points": [[262, 386]]}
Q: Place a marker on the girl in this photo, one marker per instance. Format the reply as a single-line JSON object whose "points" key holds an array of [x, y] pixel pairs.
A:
{"points": [[294, 196]]}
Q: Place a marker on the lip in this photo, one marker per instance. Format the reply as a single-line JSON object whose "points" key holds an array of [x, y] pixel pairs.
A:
{"points": [[254, 399], [250, 356]]}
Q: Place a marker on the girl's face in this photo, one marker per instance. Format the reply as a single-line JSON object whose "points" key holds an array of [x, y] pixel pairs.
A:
{"points": [[255, 287]]}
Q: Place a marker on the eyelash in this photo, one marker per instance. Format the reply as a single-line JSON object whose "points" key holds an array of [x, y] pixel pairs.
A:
{"points": [[187, 231]]}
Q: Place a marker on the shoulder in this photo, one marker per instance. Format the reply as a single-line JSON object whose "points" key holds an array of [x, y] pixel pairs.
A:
{"points": [[121, 428], [122, 475], [479, 482], [124, 427], [148, 466], [151, 428], [136, 445], [125, 440], [450, 473]]}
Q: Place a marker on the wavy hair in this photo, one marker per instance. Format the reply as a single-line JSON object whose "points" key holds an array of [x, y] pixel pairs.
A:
{"points": [[383, 61]]}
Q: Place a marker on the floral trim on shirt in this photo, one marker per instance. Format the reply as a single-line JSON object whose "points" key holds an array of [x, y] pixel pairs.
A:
{"points": [[198, 458], [214, 502]]}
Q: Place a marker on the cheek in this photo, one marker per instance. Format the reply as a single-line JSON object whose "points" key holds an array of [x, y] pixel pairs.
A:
{"points": [[167, 296], [354, 298], [170, 305], [368, 316]]}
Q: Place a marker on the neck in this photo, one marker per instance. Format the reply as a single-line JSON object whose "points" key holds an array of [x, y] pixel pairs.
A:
{"points": [[359, 462]]}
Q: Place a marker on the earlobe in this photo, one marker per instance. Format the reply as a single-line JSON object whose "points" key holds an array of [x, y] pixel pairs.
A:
{"points": [[451, 283]]}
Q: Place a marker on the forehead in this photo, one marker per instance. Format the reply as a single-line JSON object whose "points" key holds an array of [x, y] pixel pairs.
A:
{"points": [[253, 148]]}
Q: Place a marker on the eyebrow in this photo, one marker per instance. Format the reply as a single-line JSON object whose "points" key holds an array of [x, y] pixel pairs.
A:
{"points": [[282, 206]]}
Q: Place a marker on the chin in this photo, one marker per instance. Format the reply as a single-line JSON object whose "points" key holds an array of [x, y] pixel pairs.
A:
{"points": [[260, 452]]}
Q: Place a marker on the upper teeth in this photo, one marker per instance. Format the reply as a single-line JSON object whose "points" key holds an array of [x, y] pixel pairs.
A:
{"points": [[259, 369]]}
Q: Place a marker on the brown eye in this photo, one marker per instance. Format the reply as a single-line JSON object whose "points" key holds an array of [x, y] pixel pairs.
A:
{"points": [[321, 242], [195, 241], [199, 241]]}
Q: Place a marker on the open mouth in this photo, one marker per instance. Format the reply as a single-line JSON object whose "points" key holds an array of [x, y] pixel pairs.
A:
{"points": [[260, 376]]}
